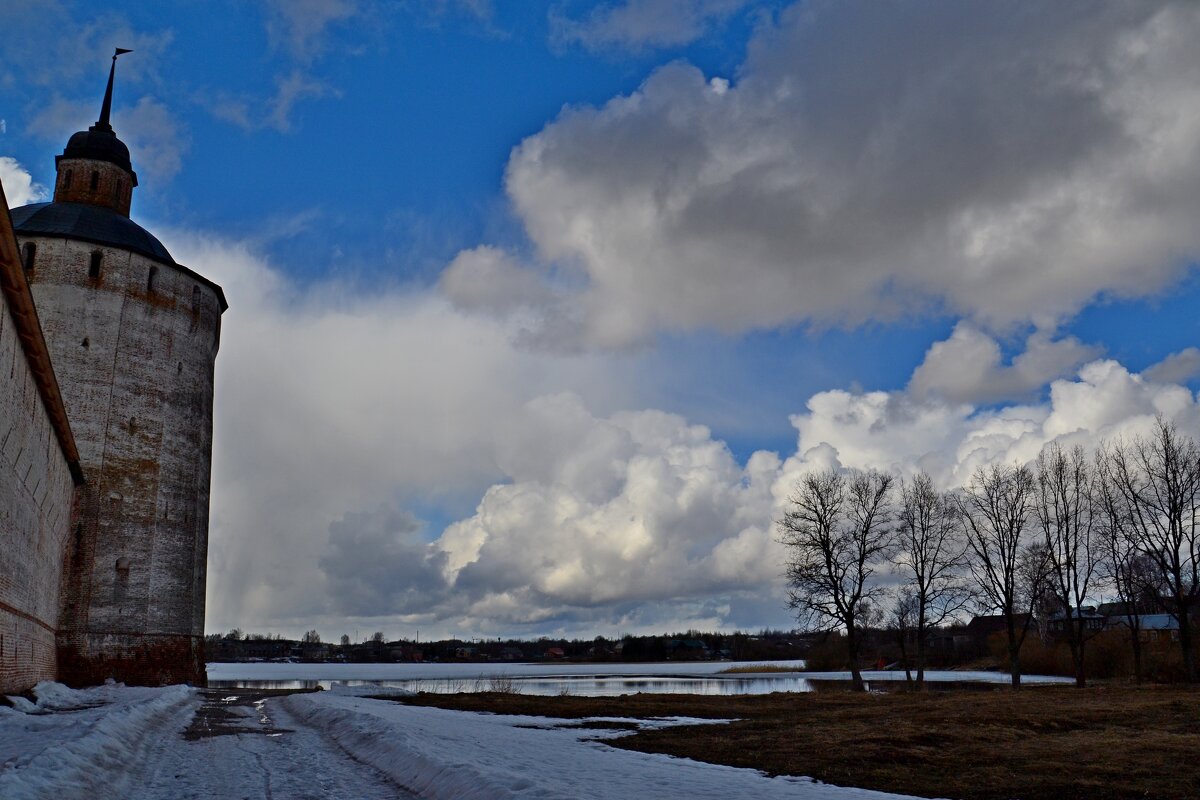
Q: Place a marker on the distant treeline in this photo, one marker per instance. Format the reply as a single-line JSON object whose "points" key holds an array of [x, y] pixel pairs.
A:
{"points": [[691, 645]]}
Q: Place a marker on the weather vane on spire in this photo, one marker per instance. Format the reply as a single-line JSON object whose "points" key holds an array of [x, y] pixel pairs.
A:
{"points": [[106, 109]]}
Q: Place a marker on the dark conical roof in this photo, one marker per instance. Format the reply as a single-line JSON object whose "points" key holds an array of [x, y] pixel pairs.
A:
{"points": [[98, 225], [90, 224], [100, 145]]}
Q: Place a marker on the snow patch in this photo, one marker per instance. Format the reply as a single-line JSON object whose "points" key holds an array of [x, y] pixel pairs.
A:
{"points": [[454, 755], [52, 696], [85, 754]]}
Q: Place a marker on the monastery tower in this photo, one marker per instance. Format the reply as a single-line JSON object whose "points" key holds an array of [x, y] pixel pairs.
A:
{"points": [[133, 338]]}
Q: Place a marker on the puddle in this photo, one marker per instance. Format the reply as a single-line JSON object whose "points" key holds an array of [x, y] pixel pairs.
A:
{"points": [[224, 714]]}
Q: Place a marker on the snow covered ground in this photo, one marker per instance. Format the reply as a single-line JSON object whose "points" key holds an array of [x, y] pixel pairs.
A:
{"points": [[130, 743], [452, 755], [82, 744], [266, 754]]}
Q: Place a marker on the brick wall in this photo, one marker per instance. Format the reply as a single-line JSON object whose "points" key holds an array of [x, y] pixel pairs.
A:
{"points": [[95, 183], [36, 491], [134, 350]]}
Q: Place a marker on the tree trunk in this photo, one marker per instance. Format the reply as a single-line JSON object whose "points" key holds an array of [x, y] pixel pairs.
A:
{"points": [[1075, 641], [1080, 668], [903, 638], [1185, 641], [921, 635], [1014, 653], [856, 678], [1135, 640]]}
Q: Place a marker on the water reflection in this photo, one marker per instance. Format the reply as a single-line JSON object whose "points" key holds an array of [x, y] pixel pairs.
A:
{"points": [[613, 685], [582, 686]]}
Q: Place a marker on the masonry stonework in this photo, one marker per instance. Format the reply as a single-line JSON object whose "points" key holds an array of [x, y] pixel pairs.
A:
{"points": [[36, 492], [38, 474], [134, 349], [95, 183]]}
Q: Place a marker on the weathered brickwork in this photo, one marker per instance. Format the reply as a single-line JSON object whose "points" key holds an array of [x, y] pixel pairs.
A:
{"points": [[94, 183], [134, 348], [36, 490]]}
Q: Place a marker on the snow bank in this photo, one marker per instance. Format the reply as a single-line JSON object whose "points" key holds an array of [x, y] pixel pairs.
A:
{"points": [[90, 753], [53, 696], [452, 755]]}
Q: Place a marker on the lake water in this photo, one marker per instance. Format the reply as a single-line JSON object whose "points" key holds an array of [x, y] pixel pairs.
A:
{"points": [[584, 680], [582, 686]]}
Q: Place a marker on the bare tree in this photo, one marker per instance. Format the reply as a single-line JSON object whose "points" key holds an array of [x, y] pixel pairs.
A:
{"points": [[311, 637], [345, 640], [1065, 512], [1006, 564], [1123, 566], [930, 553], [838, 529], [1157, 479]]}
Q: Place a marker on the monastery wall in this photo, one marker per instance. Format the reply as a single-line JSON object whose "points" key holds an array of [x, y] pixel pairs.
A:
{"points": [[107, 354], [133, 344], [36, 494]]}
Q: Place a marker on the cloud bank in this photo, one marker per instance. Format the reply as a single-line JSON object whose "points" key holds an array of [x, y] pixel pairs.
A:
{"points": [[479, 457], [968, 367], [866, 163], [337, 399], [339, 412], [1005, 163]]}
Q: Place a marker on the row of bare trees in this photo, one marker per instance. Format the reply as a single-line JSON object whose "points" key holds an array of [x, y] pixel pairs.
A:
{"points": [[1016, 540]]}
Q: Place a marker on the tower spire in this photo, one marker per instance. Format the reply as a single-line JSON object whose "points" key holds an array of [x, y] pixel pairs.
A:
{"points": [[106, 109]]}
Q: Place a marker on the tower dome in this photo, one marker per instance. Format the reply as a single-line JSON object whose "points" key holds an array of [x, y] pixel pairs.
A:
{"points": [[95, 169], [98, 144]]}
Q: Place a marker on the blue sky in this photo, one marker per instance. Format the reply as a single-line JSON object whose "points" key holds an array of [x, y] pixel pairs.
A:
{"points": [[511, 259], [410, 121]]}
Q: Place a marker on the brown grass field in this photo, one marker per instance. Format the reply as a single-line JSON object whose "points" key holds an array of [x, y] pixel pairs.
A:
{"points": [[1041, 743]]}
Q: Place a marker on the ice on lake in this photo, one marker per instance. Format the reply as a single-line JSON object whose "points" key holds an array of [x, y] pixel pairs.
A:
{"points": [[584, 680]]}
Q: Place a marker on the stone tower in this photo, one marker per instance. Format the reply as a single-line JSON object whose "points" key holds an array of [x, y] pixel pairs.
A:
{"points": [[133, 337]]}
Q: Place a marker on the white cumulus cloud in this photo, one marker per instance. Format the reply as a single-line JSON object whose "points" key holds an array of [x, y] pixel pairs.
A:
{"points": [[19, 187], [332, 402], [490, 280], [638, 507], [341, 415], [893, 431], [968, 367], [1178, 367], [870, 161]]}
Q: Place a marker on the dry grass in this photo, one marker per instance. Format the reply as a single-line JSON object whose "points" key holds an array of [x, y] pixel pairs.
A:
{"points": [[1044, 743]]}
